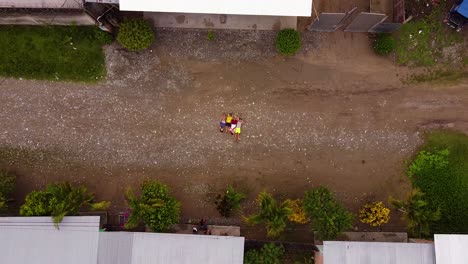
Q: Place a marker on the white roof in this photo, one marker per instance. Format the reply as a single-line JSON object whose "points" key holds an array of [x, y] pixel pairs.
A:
{"points": [[344, 252], [451, 249], [26, 240], [68, 4], [228, 7], [149, 248]]}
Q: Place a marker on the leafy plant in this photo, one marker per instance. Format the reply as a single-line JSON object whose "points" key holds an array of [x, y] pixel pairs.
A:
{"points": [[59, 200], [384, 44], [298, 214], [211, 35], [273, 214], [328, 216], [7, 187], [155, 207], [288, 41], [135, 34], [417, 214], [441, 173], [374, 214], [427, 162], [268, 254], [229, 202], [103, 37]]}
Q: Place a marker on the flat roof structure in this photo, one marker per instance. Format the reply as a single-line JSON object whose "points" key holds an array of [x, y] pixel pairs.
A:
{"points": [[344, 252], [228, 7], [451, 249], [26, 240]]}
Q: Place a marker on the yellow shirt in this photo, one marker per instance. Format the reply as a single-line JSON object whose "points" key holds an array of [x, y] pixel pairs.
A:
{"points": [[228, 119]]}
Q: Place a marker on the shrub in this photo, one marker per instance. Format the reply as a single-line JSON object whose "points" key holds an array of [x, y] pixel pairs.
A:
{"points": [[7, 187], [155, 207], [328, 216], [384, 44], [103, 37], [59, 200], [374, 214], [135, 34], [288, 41], [268, 254], [273, 215], [211, 35], [298, 215], [439, 170], [417, 214], [229, 202]]}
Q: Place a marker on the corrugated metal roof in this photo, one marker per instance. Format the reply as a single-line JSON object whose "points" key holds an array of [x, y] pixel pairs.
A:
{"points": [[228, 7], [65, 4], [344, 252], [451, 249], [71, 223]]}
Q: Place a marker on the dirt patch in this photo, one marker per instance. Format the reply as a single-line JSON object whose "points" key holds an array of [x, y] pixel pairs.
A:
{"points": [[334, 115]]}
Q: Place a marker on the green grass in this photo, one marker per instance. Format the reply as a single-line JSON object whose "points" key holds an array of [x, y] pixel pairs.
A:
{"points": [[52, 52], [446, 186], [440, 76], [420, 43]]}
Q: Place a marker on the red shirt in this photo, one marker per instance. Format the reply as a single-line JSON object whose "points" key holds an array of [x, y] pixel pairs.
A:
{"points": [[234, 122]]}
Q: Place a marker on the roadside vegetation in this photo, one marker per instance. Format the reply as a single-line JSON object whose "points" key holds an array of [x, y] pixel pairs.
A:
{"points": [[135, 34], [7, 187], [288, 41], [63, 53], [439, 174]]}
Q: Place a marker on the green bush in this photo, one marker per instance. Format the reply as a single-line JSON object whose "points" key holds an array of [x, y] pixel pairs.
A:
{"points": [[328, 217], [440, 171], [229, 202], [211, 35], [135, 34], [7, 187], [268, 254], [273, 214], [103, 37], [384, 44], [155, 207], [288, 41], [59, 200]]}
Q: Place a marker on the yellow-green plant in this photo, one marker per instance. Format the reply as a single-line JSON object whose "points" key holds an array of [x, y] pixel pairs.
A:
{"points": [[298, 214], [374, 214]]}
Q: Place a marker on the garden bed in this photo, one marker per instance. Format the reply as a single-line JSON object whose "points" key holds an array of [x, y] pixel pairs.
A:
{"points": [[52, 52]]}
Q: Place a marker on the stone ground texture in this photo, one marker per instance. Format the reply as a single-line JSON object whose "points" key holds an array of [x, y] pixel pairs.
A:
{"points": [[334, 115]]}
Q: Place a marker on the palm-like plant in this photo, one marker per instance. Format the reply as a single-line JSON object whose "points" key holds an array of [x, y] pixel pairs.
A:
{"points": [[229, 202], [155, 207], [272, 214], [59, 200], [417, 214]]}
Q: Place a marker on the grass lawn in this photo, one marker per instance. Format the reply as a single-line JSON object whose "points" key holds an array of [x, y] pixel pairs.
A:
{"points": [[446, 186], [71, 53]]}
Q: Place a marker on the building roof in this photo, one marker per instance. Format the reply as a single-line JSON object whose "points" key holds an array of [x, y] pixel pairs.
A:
{"points": [[344, 252], [451, 249], [62, 4], [25, 240], [228, 7], [463, 8]]}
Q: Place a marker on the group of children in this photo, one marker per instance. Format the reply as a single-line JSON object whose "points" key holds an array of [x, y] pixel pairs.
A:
{"points": [[231, 123]]}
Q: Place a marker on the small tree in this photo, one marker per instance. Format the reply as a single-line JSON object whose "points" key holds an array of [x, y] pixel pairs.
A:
{"points": [[155, 207], [298, 214], [7, 187], [288, 41], [59, 200], [268, 254], [273, 215], [135, 34], [328, 216], [374, 214], [417, 214], [229, 202]]}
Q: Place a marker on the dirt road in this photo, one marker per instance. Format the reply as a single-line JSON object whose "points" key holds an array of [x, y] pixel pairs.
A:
{"points": [[334, 115]]}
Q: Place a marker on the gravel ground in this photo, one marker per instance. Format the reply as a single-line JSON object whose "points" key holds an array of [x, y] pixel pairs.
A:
{"points": [[334, 115]]}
